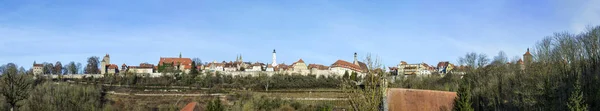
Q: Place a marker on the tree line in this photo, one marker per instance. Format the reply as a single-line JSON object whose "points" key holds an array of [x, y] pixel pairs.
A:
{"points": [[562, 75]]}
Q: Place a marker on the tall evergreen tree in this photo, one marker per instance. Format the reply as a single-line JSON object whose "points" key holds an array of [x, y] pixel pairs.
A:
{"points": [[463, 100], [576, 102], [193, 70]]}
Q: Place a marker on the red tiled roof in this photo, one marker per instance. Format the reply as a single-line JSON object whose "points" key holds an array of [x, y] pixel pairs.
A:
{"points": [[185, 62], [443, 64], [403, 63], [527, 53], [520, 61], [318, 66], [38, 65], [257, 64], [215, 64], [143, 65], [113, 66], [393, 68], [346, 64], [190, 107], [281, 66], [300, 61]]}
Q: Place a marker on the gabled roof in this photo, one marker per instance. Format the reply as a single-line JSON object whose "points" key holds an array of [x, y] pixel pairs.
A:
{"points": [[520, 61], [527, 53], [38, 65], [113, 66], [318, 66], [183, 61], [281, 66], [258, 64], [346, 64], [363, 66], [143, 66], [300, 61], [443, 64], [270, 66]]}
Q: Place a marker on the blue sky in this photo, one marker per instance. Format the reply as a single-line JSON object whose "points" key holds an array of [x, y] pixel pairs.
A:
{"points": [[318, 31]]}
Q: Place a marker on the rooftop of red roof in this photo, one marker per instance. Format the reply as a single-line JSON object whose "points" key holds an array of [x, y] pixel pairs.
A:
{"points": [[193, 106], [113, 66], [346, 64], [527, 53]]}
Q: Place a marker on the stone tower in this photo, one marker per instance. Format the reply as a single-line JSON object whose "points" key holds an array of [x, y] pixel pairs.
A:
{"points": [[274, 58], [527, 57], [105, 61]]}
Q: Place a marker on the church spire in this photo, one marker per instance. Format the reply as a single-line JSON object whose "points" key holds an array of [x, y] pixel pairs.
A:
{"points": [[179, 54], [355, 58]]}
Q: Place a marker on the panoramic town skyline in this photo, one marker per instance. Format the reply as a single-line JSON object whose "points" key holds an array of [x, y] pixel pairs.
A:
{"points": [[318, 32]]}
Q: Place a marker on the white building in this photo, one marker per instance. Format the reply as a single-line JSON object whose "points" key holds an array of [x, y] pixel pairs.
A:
{"points": [[341, 66], [214, 66], [418, 69], [143, 68], [38, 69]]}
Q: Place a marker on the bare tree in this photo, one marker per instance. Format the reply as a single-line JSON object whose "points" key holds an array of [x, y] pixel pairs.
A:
{"points": [[72, 67], [78, 68], [58, 68], [469, 60], [92, 66], [198, 61], [369, 97], [501, 58], [48, 68], [482, 60]]}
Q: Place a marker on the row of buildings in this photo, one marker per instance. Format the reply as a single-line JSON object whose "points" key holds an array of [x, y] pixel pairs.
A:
{"points": [[184, 65], [339, 67], [443, 67]]}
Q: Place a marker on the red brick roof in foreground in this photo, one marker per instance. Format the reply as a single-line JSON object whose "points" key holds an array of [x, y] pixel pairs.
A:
{"points": [[193, 106], [399, 99]]}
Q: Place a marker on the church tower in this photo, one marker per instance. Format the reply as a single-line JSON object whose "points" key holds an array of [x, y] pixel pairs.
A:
{"points": [[356, 59], [274, 58], [527, 57], [105, 61]]}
